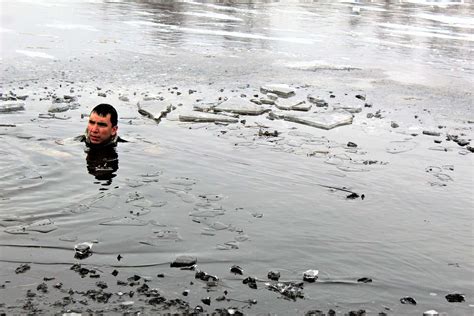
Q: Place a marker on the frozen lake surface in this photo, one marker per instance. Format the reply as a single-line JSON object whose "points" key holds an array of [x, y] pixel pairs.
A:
{"points": [[387, 197]]}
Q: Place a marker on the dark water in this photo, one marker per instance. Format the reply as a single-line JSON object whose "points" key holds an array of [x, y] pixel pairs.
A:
{"points": [[258, 202]]}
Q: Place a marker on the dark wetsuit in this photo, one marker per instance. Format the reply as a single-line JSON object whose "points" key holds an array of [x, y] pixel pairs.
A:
{"points": [[102, 159], [111, 143]]}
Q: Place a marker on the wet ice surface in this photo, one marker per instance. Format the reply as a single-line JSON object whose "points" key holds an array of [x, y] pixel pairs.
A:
{"points": [[264, 194]]}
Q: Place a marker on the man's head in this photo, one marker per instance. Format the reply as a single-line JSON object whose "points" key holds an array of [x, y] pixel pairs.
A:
{"points": [[102, 126]]}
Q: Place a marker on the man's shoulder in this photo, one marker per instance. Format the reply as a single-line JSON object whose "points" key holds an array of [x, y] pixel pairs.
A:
{"points": [[83, 138], [80, 138], [121, 140]]}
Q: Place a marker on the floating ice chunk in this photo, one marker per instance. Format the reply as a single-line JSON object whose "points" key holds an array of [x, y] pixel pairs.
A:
{"points": [[195, 116], [183, 261], [183, 181], [143, 203], [205, 106], [68, 238], [228, 245], [242, 106], [281, 90], [152, 174], [155, 109], [352, 169], [433, 169], [42, 226], [324, 120], [241, 238], [159, 204], [168, 235], [212, 197], [81, 208], [185, 197], [334, 161], [396, 147], [206, 213], [439, 148], [350, 109], [134, 196], [295, 106], [125, 221], [12, 107], [319, 102], [208, 232], [140, 212], [443, 177], [218, 226], [16, 230], [59, 107], [162, 236]]}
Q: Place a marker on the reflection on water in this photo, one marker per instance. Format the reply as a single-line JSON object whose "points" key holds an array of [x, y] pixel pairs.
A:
{"points": [[432, 38], [102, 163]]}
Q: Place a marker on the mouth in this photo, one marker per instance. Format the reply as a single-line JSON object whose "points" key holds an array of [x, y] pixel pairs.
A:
{"points": [[94, 139]]}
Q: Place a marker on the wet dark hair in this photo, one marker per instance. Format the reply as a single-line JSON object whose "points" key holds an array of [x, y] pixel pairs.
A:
{"points": [[103, 109]]}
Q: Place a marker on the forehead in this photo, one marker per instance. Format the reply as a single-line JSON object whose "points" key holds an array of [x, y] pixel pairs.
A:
{"points": [[98, 118]]}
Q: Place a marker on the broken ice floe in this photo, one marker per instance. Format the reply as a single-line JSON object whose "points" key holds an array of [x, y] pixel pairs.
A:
{"points": [[166, 235], [397, 147], [201, 117], [324, 120], [140, 212], [241, 106], [437, 172], [184, 181], [63, 107], [154, 109], [11, 107], [293, 105], [350, 109], [206, 213], [125, 221], [185, 196], [281, 90], [41, 226]]}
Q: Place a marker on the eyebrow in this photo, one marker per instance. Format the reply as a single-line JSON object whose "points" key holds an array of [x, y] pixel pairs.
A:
{"points": [[98, 123]]}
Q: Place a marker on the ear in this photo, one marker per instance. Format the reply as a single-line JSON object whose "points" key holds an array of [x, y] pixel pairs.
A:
{"points": [[114, 130]]}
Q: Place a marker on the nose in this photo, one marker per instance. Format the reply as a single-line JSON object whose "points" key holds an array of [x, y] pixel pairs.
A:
{"points": [[94, 128]]}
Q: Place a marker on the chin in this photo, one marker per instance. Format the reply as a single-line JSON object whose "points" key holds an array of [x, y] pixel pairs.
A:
{"points": [[95, 142]]}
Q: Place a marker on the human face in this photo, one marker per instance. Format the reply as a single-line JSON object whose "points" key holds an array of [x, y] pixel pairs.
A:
{"points": [[100, 128]]}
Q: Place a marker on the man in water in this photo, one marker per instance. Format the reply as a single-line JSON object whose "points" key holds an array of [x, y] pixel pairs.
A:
{"points": [[102, 127], [101, 139]]}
